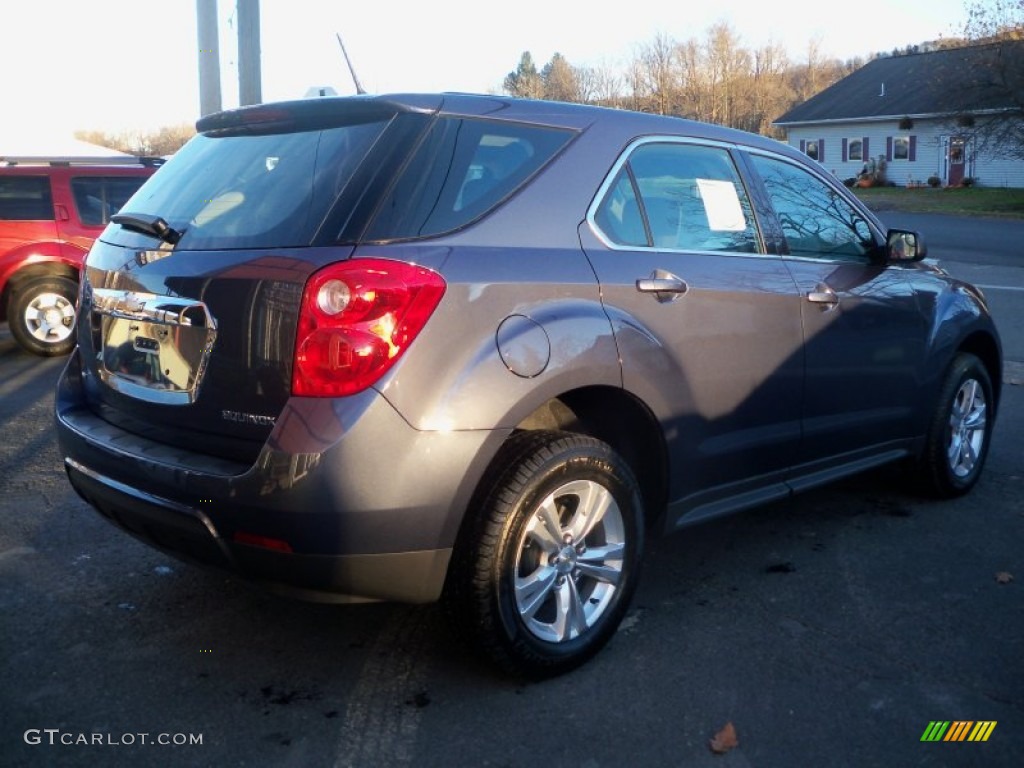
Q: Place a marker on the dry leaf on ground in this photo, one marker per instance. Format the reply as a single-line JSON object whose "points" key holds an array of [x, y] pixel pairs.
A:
{"points": [[724, 740]]}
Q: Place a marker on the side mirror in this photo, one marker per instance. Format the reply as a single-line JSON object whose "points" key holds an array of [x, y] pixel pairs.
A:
{"points": [[905, 246]]}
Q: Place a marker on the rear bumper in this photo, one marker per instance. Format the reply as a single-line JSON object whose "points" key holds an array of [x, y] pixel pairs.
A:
{"points": [[345, 502]]}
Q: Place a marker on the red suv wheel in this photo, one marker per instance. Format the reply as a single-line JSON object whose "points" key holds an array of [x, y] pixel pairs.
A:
{"points": [[41, 315]]}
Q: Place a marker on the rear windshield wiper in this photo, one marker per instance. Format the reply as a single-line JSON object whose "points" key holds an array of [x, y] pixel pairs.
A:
{"points": [[148, 225]]}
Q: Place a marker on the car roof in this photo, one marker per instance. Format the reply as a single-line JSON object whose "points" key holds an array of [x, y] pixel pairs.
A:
{"points": [[558, 114]]}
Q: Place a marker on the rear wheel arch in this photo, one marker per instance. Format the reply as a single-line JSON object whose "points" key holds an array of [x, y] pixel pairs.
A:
{"points": [[609, 414], [624, 423], [39, 269], [31, 272]]}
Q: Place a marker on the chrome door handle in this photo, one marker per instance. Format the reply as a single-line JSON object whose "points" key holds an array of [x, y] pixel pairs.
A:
{"points": [[664, 285], [825, 296]]}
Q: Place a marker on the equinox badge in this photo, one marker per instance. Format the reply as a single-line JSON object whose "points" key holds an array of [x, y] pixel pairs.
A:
{"points": [[248, 418]]}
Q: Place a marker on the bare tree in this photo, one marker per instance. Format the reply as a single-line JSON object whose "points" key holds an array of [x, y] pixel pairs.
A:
{"points": [[694, 81], [809, 78], [771, 93], [996, 80], [656, 75], [728, 66], [636, 98], [161, 142], [600, 85], [990, 20], [716, 79]]}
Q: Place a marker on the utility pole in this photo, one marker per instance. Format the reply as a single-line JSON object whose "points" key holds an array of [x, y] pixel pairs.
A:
{"points": [[209, 57], [250, 89]]}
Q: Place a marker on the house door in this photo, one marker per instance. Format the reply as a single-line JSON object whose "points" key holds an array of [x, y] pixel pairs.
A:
{"points": [[957, 154]]}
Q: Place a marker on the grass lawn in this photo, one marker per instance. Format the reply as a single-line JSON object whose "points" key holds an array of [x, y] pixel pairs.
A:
{"points": [[957, 201]]}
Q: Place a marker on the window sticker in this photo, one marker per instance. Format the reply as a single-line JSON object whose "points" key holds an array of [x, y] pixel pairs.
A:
{"points": [[722, 206]]}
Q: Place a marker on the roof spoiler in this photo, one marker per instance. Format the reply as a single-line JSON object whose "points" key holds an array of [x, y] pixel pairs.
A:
{"points": [[151, 162]]}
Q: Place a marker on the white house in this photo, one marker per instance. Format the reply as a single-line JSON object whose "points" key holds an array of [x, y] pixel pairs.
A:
{"points": [[925, 114]]}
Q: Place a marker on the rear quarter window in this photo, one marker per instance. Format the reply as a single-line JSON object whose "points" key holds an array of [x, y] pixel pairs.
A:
{"points": [[462, 169]]}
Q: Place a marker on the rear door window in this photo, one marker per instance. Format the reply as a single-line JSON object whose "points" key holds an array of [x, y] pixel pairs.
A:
{"points": [[680, 197], [97, 198], [461, 170], [25, 198]]}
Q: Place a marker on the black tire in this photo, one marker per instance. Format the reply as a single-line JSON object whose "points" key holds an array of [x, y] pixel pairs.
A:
{"points": [[41, 315], [959, 431], [537, 601]]}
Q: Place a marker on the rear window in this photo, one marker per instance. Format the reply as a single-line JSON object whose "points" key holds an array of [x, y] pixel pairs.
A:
{"points": [[25, 198], [462, 169], [255, 191], [97, 198]]}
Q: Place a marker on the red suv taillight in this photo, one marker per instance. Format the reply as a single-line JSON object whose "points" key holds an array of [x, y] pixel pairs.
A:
{"points": [[357, 318]]}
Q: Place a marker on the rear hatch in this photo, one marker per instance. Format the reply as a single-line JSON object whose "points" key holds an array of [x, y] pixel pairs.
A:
{"points": [[191, 297]]}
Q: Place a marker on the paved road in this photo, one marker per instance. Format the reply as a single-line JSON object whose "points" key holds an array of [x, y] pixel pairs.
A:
{"points": [[988, 253], [966, 239], [830, 630]]}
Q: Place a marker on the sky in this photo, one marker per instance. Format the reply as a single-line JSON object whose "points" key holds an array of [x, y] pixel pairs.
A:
{"points": [[124, 65]]}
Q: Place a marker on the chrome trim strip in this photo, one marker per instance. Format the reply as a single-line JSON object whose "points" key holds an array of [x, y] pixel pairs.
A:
{"points": [[153, 347]]}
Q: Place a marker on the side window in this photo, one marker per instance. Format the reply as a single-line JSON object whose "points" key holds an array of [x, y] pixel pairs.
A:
{"points": [[463, 169], [691, 197], [815, 218], [25, 198], [97, 198], [619, 215]]}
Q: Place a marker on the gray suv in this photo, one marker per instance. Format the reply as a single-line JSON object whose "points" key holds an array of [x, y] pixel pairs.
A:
{"points": [[471, 348]]}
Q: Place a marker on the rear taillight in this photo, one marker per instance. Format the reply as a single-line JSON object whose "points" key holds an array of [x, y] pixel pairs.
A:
{"points": [[357, 319], [263, 542]]}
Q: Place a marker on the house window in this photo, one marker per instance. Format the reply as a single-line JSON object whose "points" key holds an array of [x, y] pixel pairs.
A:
{"points": [[811, 148], [855, 150], [901, 148]]}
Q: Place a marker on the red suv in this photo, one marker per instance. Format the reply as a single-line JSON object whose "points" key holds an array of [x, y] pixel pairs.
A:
{"points": [[51, 210]]}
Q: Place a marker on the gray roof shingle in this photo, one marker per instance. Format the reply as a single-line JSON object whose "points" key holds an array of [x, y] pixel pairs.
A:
{"points": [[944, 82]]}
